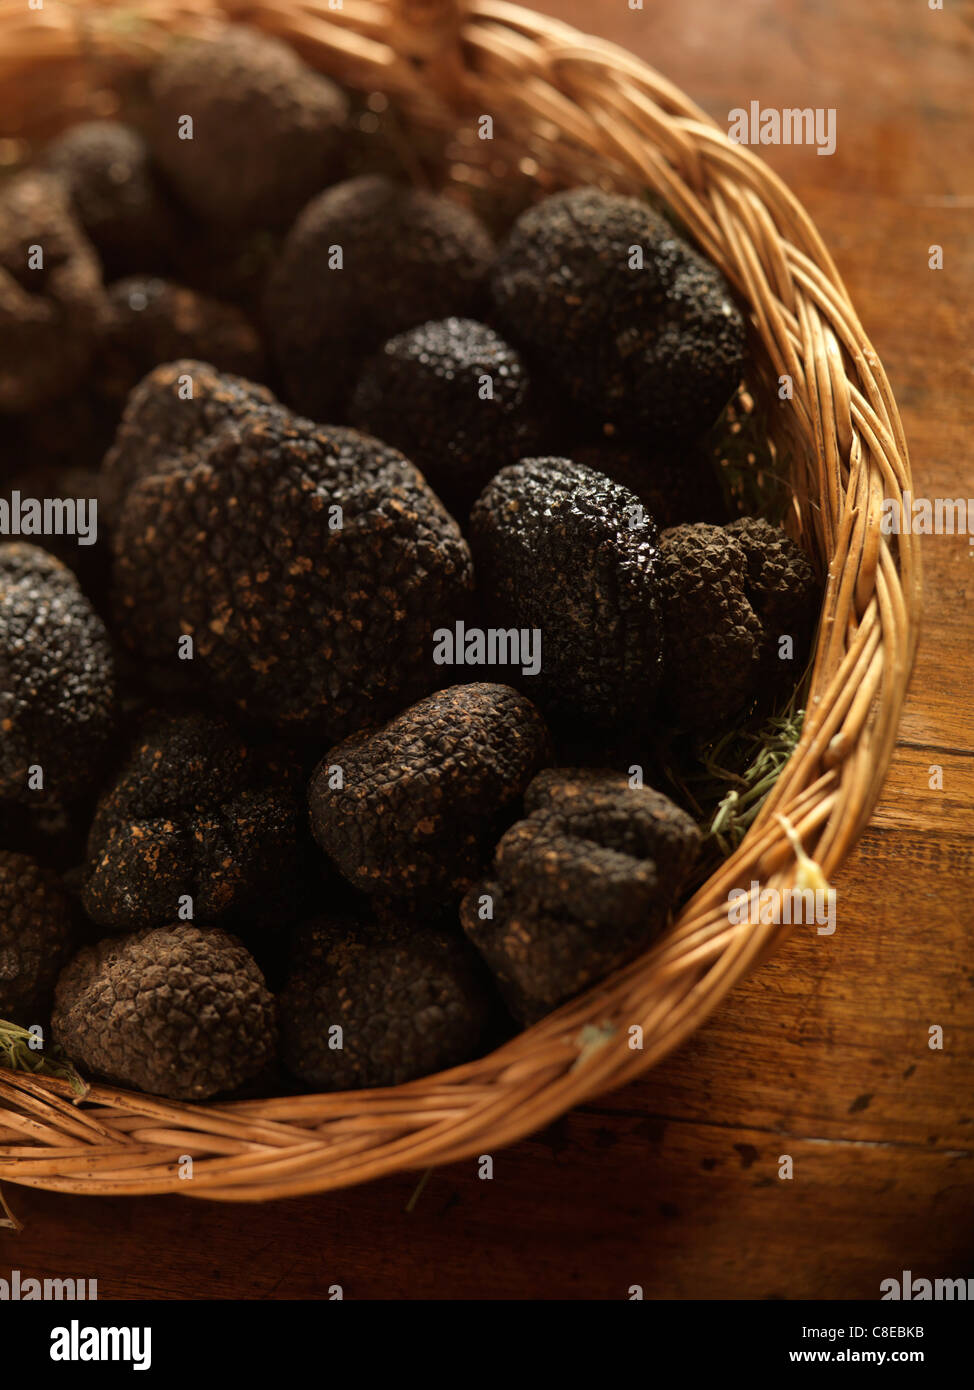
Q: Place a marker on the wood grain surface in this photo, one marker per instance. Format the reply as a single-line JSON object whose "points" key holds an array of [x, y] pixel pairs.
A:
{"points": [[823, 1054]]}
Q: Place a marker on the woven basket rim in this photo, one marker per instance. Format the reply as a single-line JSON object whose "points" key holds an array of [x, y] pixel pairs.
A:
{"points": [[628, 124]]}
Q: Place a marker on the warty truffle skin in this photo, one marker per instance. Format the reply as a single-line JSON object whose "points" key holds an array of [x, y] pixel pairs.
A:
{"points": [[267, 129], [50, 315], [659, 347], [310, 564], [563, 549], [57, 679], [194, 811], [174, 1011], [410, 1000], [423, 393], [407, 257], [423, 799], [36, 931], [578, 887]]}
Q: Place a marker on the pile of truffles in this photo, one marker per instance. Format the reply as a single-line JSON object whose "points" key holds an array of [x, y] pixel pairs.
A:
{"points": [[355, 566]]}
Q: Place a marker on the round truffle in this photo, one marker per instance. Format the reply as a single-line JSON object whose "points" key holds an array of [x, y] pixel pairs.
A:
{"points": [[194, 812], [52, 300], [310, 565], [115, 195], [36, 930], [266, 129], [453, 396], [175, 1011], [408, 1000], [414, 809], [57, 680], [364, 261], [564, 550], [633, 321], [783, 591], [579, 887]]}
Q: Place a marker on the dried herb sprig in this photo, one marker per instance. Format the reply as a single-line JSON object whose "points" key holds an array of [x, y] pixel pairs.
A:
{"points": [[17, 1054]]}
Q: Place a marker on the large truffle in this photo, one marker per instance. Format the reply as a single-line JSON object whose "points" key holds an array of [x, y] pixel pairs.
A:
{"points": [[57, 681], [414, 808], [631, 319], [266, 129], [36, 929], [454, 397], [579, 886], [729, 594], [194, 812], [52, 300], [364, 261], [564, 550], [175, 1011], [408, 1000], [310, 565]]}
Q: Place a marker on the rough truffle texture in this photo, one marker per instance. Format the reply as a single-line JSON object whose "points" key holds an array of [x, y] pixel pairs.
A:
{"points": [[407, 257], [424, 798], [49, 316], [729, 593], [57, 680], [562, 548], [175, 1011], [193, 811], [424, 394], [579, 886], [152, 321], [266, 128], [660, 346], [36, 929], [115, 195], [408, 999], [309, 617]]}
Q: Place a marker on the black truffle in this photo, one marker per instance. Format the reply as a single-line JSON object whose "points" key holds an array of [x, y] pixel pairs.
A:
{"points": [[57, 681], [194, 812], [564, 550], [408, 999], [729, 594], [36, 931], [310, 565], [175, 1011], [579, 887], [266, 132], [414, 809], [406, 257], [52, 300], [115, 195], [658, 345], [454, 397], [152, 321]]}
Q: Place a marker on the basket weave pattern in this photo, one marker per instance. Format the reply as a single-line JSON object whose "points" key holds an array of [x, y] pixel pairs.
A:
{"points": [[577, 109]]}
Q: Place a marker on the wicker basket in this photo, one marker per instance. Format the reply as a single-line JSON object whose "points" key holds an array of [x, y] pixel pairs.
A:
{"points": [[576, 110]]}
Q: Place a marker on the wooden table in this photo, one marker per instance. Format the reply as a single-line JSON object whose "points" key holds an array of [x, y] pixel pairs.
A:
{"points": [[823, 1054]]}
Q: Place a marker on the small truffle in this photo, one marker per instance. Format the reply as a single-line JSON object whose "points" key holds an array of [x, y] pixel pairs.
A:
{"points": [[658, 344], [266, 128], [405, 257], [783, 591], [57, 680], [426, 394], [115, 195], [52, 300], [564, 550], [310, 565], [194, 812], [414, 809], [152, 321], [36, 930], [174, 1011], [409, 1000], [579, 887]]}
